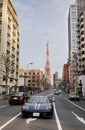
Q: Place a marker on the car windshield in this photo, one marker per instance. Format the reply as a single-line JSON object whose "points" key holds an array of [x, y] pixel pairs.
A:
{"points": [[20, 94], [39, 99]]}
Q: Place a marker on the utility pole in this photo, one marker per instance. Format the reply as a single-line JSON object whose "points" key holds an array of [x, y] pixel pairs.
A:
{"points": [[26, 77]]}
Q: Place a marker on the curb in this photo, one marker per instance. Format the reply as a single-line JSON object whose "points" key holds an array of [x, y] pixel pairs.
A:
{"points": [[2, 99]]}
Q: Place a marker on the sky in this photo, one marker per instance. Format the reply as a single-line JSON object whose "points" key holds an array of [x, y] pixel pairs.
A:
{"points": [[37, 18]]}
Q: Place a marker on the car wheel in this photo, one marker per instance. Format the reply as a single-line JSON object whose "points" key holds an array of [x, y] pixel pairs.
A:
{"points": [[51, 116], [10, 103], [24, 115]]}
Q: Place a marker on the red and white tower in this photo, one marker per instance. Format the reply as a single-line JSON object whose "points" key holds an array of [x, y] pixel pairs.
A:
{"points": [[47, 67]]}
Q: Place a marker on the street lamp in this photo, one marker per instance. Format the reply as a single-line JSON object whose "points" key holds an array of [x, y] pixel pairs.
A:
{"points": [[28, 66]]}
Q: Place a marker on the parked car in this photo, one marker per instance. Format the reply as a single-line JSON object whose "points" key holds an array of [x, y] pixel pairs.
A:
{"points": [[56, 92], [18, 98], [73, 96], [37, 106]]}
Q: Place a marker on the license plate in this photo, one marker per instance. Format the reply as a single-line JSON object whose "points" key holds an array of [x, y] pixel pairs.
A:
{"points": [[36, 114], [15, 98]]}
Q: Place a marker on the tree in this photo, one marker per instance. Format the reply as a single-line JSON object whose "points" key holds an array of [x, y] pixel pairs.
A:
{"points": [[6, 61]]}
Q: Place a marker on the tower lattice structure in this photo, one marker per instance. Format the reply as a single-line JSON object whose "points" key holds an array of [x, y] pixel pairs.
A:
{"points": [[47, 67]]}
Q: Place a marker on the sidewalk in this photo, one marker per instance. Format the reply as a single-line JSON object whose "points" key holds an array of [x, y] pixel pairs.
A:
{"points": [[2, 98]]}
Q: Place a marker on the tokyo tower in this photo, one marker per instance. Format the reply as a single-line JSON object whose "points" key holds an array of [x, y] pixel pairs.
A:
{"points": [[47, 67]]}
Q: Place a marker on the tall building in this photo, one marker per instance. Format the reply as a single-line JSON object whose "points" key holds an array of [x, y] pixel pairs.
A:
{"points": [[72, 40], [81, 3], [81, 43], [81, 34], [65, 74], [9, 41], [77, 57], [72, 20], [55, 78]]}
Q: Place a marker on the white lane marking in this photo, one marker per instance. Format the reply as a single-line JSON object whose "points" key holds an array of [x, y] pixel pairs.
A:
{"points": [[4, 106], [75, 105], [29, 120], [79, 118], [8, 122], [57, 118]]}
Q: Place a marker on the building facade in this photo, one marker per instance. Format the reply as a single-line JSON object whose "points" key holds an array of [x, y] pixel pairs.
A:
{"points": [[81, 43], [55, 79], [77, 55], [33, 79], [9, 43], [65, 74], [72, 41]]}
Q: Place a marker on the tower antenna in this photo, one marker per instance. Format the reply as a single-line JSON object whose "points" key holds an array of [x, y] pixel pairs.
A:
{"points": [[47, 67]]}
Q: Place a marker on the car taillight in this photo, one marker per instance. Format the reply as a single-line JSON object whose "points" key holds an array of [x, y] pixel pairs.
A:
{"points": [[20, 97], [10, 97]]}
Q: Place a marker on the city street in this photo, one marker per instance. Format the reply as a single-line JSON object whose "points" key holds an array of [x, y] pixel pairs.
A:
{"points": [[42, 65], [68, 115]]}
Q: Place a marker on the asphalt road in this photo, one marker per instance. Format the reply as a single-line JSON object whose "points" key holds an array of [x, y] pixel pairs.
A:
{"points": [[68, 115]]}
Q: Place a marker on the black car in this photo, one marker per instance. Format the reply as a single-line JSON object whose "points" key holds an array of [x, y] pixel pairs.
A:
{"points": [[18, 98], [37, 106]]}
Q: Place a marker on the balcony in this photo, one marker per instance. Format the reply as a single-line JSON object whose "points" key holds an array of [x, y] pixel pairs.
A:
{"points": [[82, 29], [9, 32], [0, 9], [9, 24], [82, 32], [81, 18], [14, 32], [9, 41], [82, 25], [81, 14], [82, 37], [13, 52], [13, 45], [83, 57], [14, 40], [8, 48], [83, 63], [82, 49]]}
